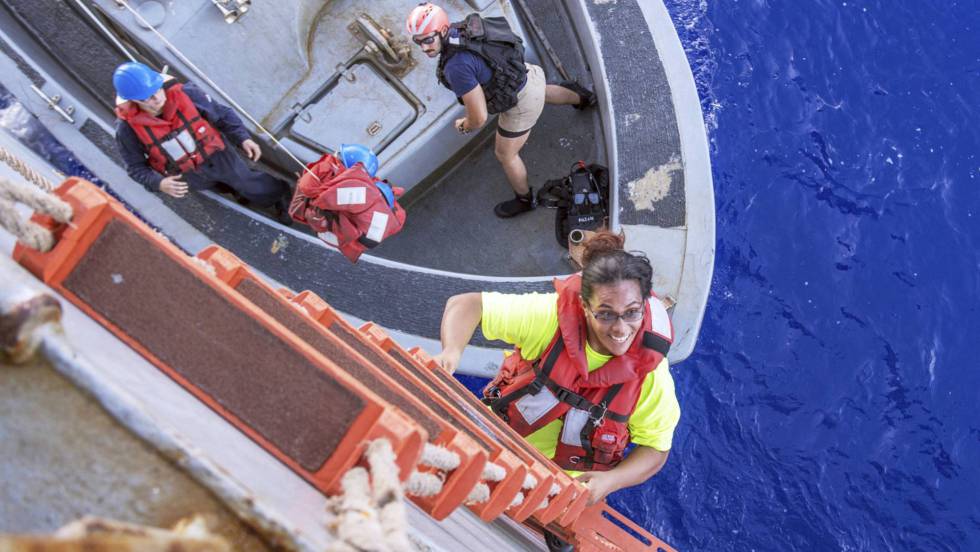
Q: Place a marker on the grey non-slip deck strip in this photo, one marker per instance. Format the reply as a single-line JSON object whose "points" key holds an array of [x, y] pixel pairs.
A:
{"points": [[218, 348], [72, 41], [646, 124]]}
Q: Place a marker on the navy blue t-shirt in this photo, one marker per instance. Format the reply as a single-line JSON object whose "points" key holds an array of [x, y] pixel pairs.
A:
{"points": [[465, 70]]}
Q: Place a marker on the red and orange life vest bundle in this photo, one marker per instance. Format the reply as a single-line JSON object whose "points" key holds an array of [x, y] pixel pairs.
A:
{"points": [[347, 207]]}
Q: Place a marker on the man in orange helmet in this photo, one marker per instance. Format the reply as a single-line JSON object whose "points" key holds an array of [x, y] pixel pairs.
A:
{"points": [[482, 61]]}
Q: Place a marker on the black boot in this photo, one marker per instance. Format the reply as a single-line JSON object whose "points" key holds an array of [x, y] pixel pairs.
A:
{"points": [[513, 207], [587, 97], [555, 544]]}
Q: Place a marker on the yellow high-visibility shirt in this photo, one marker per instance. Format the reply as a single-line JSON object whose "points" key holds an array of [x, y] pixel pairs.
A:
{"points": [[530, 321]]}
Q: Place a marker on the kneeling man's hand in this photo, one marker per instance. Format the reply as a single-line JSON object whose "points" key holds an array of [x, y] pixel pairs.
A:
{"points": [[173, 186], [252, 150]]}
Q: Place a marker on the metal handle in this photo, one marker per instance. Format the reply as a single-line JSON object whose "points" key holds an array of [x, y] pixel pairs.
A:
{"points": [[52, 102]]}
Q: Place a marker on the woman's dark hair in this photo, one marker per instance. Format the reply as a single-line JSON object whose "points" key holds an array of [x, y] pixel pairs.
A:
{"points": [[606, 262]]}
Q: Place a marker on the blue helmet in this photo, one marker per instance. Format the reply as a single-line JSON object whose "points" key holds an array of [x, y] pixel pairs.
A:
{"points": [[135, 81], [352, 154]]}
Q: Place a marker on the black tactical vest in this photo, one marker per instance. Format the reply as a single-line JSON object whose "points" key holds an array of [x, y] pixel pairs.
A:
{"points": [[491, 39]]}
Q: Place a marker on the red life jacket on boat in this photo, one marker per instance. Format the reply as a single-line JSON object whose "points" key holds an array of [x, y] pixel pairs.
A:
{"points": [[176, 141], [594, 406], [346, 207]]}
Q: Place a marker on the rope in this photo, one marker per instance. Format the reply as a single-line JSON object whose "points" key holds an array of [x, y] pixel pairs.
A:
{"points": [[24, 170], [555, 489], [480, 493], [357, 519], [439, 457], [388, 495], [530, 482], [369, 514], [211, 83], [35, 199], [27, 232], [423, 484], [494, 472]]}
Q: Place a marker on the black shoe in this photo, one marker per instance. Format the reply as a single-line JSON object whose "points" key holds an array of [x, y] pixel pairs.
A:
{"points": [[586, 96], [555, 544], [513, 207]]}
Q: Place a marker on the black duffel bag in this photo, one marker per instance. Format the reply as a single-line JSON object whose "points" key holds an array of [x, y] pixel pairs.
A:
{"points": [[581, 200]]}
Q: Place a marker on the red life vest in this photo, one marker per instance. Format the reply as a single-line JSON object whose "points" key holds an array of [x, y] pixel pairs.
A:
{"points": [[346, 207], [594, 406], [176, 141]]}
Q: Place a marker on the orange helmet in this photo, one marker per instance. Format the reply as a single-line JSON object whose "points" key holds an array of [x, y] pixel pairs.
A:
{"points": [[427, 18]]}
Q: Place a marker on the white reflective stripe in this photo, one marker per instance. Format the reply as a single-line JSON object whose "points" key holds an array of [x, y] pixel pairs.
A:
{"points": [[173, 149], [351, 196], [533, 407], [379, 223], [425, 21], [571, 431], [187, 141], [660, 320], [329, 238]]}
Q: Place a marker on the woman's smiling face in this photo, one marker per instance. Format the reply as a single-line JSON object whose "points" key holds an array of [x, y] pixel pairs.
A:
{"points": [[615, 315]]}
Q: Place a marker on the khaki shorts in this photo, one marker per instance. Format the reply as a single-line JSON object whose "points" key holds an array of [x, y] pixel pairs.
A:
{"points": [[519, 119]]}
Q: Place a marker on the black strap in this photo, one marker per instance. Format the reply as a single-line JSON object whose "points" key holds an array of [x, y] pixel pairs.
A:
{"points": [[655, 342], [499, 405], [555, 193], [588, 429], [572, 398], [171, 167], [366, 242]]}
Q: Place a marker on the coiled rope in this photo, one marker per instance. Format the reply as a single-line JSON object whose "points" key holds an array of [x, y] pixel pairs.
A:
{"points": [[369, 515], [25, 170], [38, 198]]}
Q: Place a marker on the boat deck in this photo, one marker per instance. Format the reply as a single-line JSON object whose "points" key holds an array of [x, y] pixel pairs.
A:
{"points": [[647, 128]]}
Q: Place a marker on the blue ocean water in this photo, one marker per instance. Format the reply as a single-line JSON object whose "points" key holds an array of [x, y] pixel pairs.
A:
{"points": [[830, 403]]}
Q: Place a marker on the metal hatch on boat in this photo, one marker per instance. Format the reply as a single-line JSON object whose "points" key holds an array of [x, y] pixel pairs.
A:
{"points": [[360, 107], [364, 102]]}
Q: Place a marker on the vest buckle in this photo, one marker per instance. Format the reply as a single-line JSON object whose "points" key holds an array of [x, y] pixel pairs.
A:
{"points": [[490, 395], [597, 413]]}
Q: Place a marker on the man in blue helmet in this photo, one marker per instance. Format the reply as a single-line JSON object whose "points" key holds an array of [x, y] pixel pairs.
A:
{"points": [[173, 138]]}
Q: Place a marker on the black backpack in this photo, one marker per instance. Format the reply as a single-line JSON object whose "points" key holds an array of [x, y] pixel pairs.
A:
{"points": [[581, 200]]}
